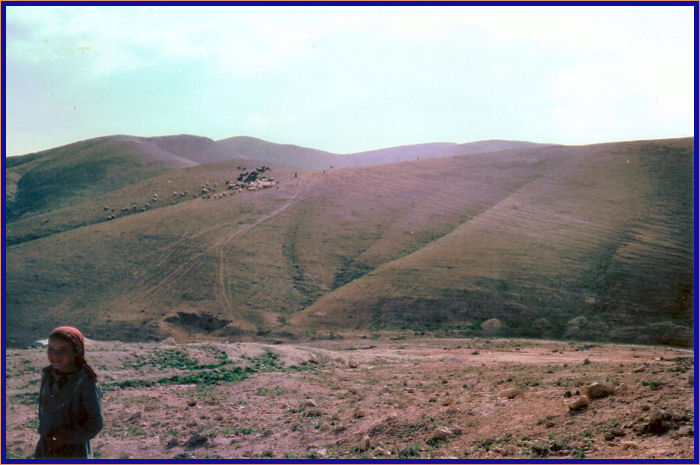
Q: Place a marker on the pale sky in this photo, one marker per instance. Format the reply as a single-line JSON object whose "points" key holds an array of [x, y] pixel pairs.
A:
{"points": [[348, 78]]}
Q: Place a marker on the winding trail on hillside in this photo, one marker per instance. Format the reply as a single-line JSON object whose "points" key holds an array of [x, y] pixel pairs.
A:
{"points": [[191, 261], [223, 295]]}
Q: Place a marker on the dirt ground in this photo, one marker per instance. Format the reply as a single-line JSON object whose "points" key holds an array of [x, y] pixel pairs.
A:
{"points": [[381, 397]]}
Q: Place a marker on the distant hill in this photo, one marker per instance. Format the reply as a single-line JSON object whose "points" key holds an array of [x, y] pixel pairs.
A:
{"points": [[305, 158], [586, 242], [67, 175]]}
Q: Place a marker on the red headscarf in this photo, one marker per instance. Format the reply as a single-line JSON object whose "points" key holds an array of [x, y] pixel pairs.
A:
{"points": [[75, 338]]}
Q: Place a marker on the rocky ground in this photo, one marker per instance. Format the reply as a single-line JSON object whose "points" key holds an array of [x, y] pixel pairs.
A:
{"points": [[387, 398]]}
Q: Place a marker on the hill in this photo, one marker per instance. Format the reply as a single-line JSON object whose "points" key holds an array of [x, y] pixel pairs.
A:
{"points": [[67, 175], [591, 242], [311, 159]]}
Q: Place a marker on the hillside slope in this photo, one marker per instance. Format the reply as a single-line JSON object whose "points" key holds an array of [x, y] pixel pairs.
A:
{"points": [[70, 174], [598, 242], [587, 242]]}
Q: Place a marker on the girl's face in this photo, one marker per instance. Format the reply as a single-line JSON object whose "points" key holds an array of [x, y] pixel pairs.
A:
{"points": [[61, 355]]}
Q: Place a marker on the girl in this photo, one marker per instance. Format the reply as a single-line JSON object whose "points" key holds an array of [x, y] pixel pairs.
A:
{"points": [[70, 400]]}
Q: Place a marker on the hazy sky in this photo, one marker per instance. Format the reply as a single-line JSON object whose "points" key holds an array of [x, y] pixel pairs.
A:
{"points": [[348, 78]]}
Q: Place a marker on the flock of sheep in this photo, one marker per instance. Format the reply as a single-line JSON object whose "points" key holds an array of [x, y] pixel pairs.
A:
{"points": [[246, 181]]}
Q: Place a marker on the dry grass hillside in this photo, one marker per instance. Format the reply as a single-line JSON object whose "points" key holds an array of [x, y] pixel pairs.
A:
{"points": [[559, 241], [592, 242]]}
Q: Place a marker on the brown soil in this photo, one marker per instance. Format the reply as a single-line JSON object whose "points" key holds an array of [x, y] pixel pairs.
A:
{"points": [[377, 398]]}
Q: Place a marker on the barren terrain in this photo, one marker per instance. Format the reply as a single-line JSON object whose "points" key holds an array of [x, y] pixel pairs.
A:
{"points": [[392, 396]]}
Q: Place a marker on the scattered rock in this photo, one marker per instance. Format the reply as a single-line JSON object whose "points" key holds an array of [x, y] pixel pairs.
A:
{"points": [[598, 391], [314, 412], [172, 443], [511, 393], [441, 433], [192, 403], [196, 440], [310, 403], [363, 445], [691, 380], [640, 369], [359, 414], [628, 445], [614, 433], [352, 363], [660, 423], [579, 404], [136, 416], [685, 431], [380, 452]]}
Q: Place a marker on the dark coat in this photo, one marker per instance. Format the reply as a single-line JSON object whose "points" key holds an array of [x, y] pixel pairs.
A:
{"points": [[72, 406]]}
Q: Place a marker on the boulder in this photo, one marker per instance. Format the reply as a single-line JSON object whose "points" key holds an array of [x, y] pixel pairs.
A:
{"points": [[598, 390], [456, 430], [579, 404], [363, 445], [441, 433], [614, 433], [196, 440], [511, 393], [660, 422]]}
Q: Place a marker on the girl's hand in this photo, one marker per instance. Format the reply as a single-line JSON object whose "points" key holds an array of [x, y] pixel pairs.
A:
{"points": [[54, 441]]}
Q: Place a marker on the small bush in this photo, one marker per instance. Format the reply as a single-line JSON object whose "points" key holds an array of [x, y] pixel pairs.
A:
{"points": [[653, 384], [410, 451]]}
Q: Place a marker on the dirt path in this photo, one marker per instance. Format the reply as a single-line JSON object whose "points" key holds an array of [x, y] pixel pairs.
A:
{"points": [[224, 293]]}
